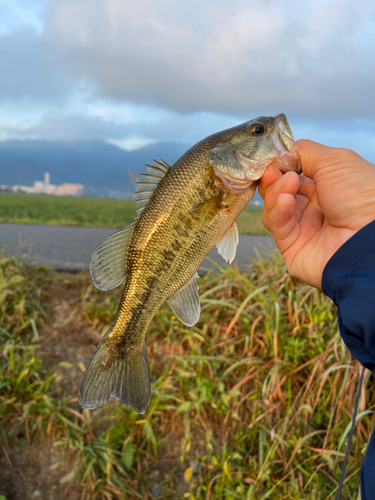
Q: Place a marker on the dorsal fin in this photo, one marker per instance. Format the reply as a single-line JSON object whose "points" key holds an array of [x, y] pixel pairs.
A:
{"points": [[107, 266], [149, 182], [163, 165]]}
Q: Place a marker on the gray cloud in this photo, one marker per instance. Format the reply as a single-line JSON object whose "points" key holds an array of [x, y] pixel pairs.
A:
{"points": [[226, 57], [173, 127], [315, 58], [178, 71], [356, 134], [29, 70]]}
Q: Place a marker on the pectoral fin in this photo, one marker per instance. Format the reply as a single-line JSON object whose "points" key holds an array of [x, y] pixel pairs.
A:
{"points": [[227, 245], [185, 303], [107, 266], [207, 209]]}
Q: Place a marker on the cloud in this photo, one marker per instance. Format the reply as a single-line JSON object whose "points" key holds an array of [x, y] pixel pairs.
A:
{"points": [[225, 57], [189, 128], [169, 127], [164, 70], [131, 143]]}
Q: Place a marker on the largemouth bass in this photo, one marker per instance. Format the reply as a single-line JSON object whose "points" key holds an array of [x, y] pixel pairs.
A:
{"points": [[183, 212]]}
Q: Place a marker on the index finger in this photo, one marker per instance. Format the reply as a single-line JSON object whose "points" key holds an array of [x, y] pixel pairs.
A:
{"points": [[271, 175]]}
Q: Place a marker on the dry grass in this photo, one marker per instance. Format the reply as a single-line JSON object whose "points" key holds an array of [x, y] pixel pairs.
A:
{"points": [[253, 402]]}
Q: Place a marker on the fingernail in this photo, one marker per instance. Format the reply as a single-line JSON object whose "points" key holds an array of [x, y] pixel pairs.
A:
{"points": [[283, 181], [285, 178]]}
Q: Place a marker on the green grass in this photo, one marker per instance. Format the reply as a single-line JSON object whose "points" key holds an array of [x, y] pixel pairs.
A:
{"points": [[250, 222], [53, 210], [95, 212], [252, 402]]}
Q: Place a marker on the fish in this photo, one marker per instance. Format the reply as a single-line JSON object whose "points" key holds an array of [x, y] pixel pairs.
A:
{"points": [[183, 211]]}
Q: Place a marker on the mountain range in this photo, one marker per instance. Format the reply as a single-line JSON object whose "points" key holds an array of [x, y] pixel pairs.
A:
{"points": [[98, 165], [94, 164]]}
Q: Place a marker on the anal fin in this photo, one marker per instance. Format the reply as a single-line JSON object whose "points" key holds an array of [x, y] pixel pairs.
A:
{"points": [[185, 303], [227, 245]]}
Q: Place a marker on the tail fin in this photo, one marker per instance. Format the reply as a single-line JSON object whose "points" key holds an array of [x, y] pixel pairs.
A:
{"points": [[120, 375]]}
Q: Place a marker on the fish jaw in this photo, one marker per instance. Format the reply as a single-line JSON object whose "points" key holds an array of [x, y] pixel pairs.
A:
{"points": [[286, 146]]}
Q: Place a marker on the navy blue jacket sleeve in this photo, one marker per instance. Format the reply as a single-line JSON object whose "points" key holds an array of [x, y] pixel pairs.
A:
{"points": [[349, 280]]}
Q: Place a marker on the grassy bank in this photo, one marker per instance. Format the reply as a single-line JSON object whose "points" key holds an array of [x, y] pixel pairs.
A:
{"points": [[253, 402], [95, 212]]}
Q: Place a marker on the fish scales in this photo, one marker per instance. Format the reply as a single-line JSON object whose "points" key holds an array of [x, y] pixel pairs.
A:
{"points": [[194, 207], [166, 243]]}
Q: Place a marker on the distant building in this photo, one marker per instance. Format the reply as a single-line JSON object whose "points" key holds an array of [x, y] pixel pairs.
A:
{"points": [[23, 189], [64, 189], [44, 187]]}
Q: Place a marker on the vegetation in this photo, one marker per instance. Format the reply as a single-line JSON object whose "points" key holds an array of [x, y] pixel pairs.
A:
{"points": [[97, 212], [67, 211], [253, 402]]}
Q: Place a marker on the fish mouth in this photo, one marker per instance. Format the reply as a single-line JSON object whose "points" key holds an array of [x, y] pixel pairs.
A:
{"points": [[284, 133], [283, 140]]}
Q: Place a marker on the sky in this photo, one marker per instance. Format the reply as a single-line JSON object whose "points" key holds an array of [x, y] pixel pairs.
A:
{"points": [[133, 73]]}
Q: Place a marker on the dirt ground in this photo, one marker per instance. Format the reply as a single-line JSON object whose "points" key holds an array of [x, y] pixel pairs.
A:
{"points": [[67, 339], [38, 470]]}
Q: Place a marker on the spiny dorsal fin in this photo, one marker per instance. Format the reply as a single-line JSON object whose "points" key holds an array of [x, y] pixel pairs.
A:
{"points": [[227, 245], [156, 171], [185, 303], [149, 182], [107, 266], [163, 165]]}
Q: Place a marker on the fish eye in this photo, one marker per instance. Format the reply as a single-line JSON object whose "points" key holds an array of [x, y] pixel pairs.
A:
{"points": [[257, 129]]}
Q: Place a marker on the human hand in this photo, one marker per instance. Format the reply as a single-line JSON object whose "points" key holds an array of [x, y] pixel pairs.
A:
{"points": [[312, 215]]}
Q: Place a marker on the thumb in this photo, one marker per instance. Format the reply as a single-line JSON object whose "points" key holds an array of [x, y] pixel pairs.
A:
{"points": [[315, 156]]}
